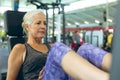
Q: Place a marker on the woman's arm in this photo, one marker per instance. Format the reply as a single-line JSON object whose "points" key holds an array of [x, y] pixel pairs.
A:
{"points": [[41, 74], [15, 61], [81, 69]]}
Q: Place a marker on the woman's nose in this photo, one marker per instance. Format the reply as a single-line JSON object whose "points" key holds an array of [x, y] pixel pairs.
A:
{"points": [[43, 25]]}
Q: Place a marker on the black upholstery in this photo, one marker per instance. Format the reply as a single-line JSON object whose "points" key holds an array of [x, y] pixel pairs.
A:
{"points": [[13, 27], [3, 76], [14, 31], [13, 23]]}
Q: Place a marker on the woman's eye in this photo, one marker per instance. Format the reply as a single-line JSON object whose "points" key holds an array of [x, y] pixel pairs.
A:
{"points": [[39, 23], [45, 23]]}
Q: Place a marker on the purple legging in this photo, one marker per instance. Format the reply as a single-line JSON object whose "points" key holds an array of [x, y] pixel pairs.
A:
{"points": [[53, 69], [92, 53]]}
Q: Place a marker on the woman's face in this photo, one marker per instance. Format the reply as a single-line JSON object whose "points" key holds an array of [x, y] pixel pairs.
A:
{"points": [[38, 26]]}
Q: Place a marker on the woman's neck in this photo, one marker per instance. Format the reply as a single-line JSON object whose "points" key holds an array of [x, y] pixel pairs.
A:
{"points": [[34, 41]]}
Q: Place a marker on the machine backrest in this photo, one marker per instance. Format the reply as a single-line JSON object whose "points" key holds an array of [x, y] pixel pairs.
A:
{"points": [[13, 27]]}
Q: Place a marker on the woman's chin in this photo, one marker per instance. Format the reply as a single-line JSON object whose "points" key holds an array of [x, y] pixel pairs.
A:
{"points": [[41, 36]]}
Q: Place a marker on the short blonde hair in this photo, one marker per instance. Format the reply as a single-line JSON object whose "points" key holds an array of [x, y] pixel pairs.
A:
{"points": [[28, 17]]}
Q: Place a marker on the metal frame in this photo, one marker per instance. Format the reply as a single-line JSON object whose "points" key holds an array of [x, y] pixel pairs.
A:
{"points": [[47, 6], [115, 67]]}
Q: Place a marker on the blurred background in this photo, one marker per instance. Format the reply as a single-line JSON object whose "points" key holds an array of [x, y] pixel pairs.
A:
{"points": [[91, 20]]}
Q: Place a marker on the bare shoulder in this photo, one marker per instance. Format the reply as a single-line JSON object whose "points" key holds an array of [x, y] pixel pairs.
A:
{"points": [[19, 46], [18, 50]]}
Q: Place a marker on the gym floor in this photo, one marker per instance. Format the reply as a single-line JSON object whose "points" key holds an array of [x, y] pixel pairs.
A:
{"points": [[3, 59]]}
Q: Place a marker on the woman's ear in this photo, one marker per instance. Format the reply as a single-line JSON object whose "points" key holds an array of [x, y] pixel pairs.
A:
{"points": [[26, 27]]}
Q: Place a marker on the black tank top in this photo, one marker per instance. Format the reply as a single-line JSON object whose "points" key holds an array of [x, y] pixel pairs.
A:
{"points": [[34, 62]]}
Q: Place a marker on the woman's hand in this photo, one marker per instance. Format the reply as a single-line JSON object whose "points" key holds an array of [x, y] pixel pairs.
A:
{"points": [[41, 74]]}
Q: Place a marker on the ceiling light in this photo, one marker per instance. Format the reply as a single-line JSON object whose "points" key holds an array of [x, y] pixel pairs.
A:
{"points": [[110, 20], [68, 24], [55, 22], [86, 22], [76, 23], [96, 21], [86, 3]]}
